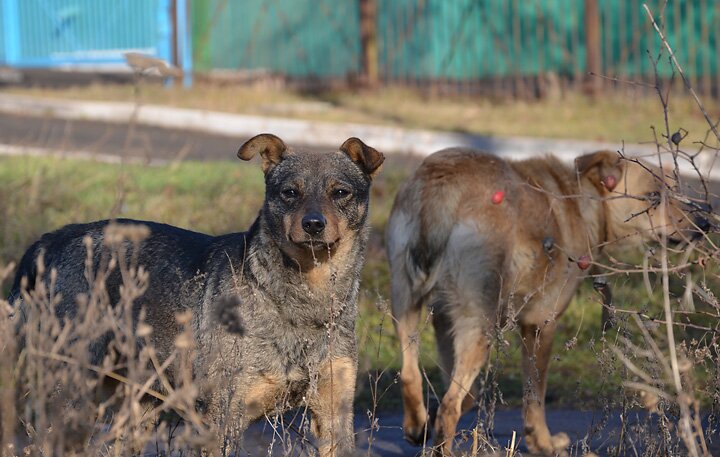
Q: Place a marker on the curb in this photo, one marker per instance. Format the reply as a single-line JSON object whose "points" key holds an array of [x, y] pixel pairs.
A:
{"points": [[298, 131]]}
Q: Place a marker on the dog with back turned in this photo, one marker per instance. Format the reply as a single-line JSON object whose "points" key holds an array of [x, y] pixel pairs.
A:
{"points": [[292, 282], [482, 241]]}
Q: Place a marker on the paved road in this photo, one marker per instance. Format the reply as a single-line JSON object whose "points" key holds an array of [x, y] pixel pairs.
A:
{"points": [[589, 431], [137, 142]]}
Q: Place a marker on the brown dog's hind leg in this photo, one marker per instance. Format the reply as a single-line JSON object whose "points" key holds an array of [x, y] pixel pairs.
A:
{"points": [[446, 358], [471, 348], [406, 319], [537, 346]]}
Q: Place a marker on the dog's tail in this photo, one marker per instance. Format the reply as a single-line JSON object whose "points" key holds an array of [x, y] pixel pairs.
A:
{"points": [[27, 269], [417, 234]]}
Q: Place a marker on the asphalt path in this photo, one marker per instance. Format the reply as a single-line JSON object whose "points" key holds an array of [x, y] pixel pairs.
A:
{"points": [[599, 432], [132, 142]]}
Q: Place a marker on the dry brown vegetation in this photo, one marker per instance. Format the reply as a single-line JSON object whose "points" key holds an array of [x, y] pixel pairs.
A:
{"points": [[56, 402]]}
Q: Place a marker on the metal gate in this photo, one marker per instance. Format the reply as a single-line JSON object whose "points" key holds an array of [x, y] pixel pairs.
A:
{"points": [[92, 34]]}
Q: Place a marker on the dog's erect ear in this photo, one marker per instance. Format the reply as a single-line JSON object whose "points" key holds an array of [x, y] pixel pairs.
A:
{"points": [[367, 158], [270, 148], [602, 168]]}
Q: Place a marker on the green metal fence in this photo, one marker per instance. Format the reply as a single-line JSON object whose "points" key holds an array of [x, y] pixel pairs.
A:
{"points": [[455, 40], [300, 38]]}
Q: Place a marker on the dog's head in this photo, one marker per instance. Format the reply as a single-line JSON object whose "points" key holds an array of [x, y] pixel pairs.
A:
{"points": [[314, 202], [632, 192]]}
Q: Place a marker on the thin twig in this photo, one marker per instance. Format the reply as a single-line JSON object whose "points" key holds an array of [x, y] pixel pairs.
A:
{"points": [[682, 73]]}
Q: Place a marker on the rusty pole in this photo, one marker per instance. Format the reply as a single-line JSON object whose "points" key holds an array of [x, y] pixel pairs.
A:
{"points": [[593, 83], [368, 41]]}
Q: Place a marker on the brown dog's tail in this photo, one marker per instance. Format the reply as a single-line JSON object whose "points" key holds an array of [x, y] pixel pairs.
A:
{"points": [[410, 275], [417, 234]]}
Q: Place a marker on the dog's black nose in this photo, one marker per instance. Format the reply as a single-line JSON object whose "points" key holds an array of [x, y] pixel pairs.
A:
{"points": [[313, 223]]}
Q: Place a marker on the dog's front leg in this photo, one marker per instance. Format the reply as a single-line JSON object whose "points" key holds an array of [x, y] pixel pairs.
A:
{"points": [[332, 407], [537, 347]]}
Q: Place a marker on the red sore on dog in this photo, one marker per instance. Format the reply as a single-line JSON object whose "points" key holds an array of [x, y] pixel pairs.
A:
{"points": [[609, 182], [497, 197], [583, 262]]}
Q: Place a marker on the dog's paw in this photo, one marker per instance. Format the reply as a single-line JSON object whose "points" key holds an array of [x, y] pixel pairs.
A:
{"points": [[548, 445], [417, 435], [418, 431], [560, 442]]}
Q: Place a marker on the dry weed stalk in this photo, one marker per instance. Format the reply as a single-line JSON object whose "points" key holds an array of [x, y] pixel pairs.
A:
{"points": [[66, 402], [662, 364]]}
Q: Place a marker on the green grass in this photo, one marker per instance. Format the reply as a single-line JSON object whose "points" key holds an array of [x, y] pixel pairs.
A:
{"points": [[622, 115], [41, 194]]}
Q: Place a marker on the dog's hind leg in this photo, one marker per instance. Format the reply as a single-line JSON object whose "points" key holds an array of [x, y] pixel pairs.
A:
{"points": [[471, 347], [406, 318], [537, 346], [442, 323]]}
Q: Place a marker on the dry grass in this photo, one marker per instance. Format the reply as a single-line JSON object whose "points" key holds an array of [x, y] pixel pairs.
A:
{"points": [[58, 401]]}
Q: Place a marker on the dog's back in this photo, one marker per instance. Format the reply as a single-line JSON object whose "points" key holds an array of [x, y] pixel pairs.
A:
{"points": [[445, 223], [170, 255]]}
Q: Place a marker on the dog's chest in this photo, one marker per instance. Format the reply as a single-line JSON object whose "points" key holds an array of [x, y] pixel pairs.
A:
{"points": [[285, 372]]}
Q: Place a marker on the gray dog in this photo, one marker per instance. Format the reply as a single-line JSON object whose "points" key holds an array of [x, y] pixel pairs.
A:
{"points": [[273, 308]]}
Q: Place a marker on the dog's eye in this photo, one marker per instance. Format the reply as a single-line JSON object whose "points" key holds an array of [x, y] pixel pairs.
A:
{"points": [[290, 193], [340, 193]]}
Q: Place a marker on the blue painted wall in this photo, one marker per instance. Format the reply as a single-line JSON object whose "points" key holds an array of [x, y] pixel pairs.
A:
{"points": [[52, 33]]}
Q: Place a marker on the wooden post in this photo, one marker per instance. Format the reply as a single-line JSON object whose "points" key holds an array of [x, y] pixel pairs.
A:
{"points": [[368, 41], [593, 84]]}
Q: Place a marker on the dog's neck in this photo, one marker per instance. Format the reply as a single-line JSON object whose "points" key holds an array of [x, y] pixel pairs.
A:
{"points": [[330, 281]]}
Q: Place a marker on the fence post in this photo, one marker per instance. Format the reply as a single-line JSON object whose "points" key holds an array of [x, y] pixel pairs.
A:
{"points": [[368, 41], [593, 83], [183, 51], [11, 31]]}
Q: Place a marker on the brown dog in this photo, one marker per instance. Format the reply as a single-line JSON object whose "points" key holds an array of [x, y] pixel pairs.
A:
{"points": [[480, 240]]}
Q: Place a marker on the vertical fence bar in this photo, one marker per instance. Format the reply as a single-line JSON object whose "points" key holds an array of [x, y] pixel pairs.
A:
{"points": [[605, 38], [183, 43], [368, 41], [705, 55], [11, 31], [593, 48], [541, 44], [575, 37], [691, 42], [515, 17], [716, 47], [164, 38], [622, 61], [636, 55]]}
